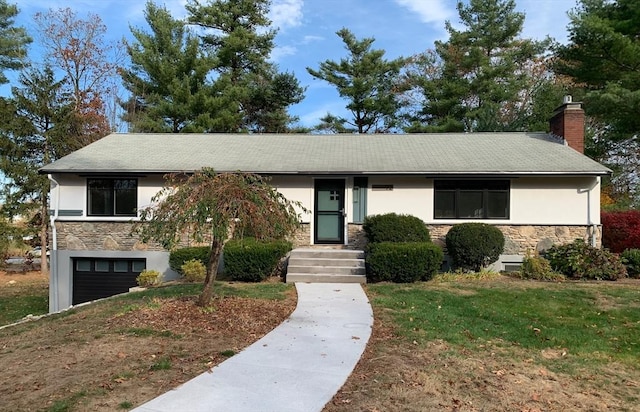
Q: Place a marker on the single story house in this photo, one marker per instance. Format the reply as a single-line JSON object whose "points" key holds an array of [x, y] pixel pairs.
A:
{"points": [[538, 188]]}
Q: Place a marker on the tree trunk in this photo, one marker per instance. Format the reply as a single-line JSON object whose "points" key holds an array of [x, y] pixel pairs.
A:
{"points": [[214, 260], [212, 271]]}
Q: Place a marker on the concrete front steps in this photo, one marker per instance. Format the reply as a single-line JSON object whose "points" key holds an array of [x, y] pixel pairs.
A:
{"points": [[326, 266]]}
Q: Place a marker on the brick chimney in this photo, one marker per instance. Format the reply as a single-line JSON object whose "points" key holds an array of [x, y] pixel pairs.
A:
{"points": [[568, 122]]}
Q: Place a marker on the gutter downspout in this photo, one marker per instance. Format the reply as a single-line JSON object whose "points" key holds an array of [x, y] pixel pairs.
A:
{"points": [[593, 226], [53, 267]]}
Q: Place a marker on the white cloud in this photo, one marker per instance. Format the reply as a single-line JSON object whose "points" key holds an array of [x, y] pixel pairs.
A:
{"points": [[431, 11], [286, 13], [279, 52], [311, 39], [546, 18]]}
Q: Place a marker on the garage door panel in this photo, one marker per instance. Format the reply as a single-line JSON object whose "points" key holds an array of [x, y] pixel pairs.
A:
{"points": [[90, 284]]}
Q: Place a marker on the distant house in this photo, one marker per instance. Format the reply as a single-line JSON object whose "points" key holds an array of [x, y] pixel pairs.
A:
{"points": [[538, 188]]}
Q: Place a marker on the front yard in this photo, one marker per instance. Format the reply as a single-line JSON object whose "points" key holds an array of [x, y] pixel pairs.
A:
{"points": [[497, 344]]}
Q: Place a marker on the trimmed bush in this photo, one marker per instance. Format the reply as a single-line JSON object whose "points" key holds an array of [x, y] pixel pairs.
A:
{"points": [[579, 260], [473, 246], [179, 257], [621, 230], [194, 270], [631, 259], [148, 277], [403, 262], [250, 260], [391, 227]]}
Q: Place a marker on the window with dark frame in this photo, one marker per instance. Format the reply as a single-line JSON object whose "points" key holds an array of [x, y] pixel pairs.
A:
{"points": [[471, 199], [112, 197]]}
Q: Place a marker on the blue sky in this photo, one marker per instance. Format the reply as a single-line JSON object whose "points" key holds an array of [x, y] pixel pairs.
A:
{"points": [[307, 31]]}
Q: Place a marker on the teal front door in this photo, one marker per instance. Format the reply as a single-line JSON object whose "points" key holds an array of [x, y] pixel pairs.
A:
{"points": [[329, 212]]}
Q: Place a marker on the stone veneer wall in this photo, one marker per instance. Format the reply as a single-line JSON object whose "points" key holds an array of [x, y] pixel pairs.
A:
{"points": [[520, 239], [100, 236]]}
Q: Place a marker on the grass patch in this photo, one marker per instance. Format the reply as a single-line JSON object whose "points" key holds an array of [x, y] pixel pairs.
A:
{"points": [[147, 332], [568, 317], [227, 353], [125, 405], [16, 302], [270, 291], [65, 405], [161, 364]]}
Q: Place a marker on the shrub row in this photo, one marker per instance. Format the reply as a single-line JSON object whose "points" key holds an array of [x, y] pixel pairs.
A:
{"points": [[179, 257], [403, 262], [631, 259], [250, 260], [578, 260]]}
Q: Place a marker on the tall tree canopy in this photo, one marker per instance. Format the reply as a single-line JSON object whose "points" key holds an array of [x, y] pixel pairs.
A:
{"points": [[167, 77], [213, 207], [35, 132], [482, 71], [252, 94], [208, 74], [368, 81], [76, 47], [13, 41], [603, 55]]}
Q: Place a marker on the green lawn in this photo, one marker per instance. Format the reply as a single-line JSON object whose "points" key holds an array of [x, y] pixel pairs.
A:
{"points": [[20, 300], [594, 322]]}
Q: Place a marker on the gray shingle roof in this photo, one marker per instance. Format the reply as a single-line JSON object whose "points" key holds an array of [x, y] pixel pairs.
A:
{"points": [[451, 153]]}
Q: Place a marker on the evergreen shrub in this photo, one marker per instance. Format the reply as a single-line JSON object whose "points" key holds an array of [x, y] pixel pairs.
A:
{"points": [[631, 259], [392, 227], [251, 260], [179, 257], [403, 262], [578, 260], [473, 246]]}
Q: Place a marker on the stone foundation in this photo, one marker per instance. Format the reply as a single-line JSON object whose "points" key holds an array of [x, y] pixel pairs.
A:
{"points": [[100, 236], [520, 239]]}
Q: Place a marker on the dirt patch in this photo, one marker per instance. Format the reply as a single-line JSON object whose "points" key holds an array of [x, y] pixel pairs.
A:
{"points": [[110, 356], [10, 278], [395, 375]]}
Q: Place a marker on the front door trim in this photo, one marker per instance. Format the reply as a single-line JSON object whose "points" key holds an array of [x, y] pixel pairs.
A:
{"points": [[331, 214]]}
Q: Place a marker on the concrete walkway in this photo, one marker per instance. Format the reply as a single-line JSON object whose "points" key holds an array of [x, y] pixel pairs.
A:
{"points": [[297, 367]]}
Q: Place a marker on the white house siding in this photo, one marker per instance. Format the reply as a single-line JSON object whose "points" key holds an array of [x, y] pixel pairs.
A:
{"points": [[297, 188], [555, 201], [543, 210]]}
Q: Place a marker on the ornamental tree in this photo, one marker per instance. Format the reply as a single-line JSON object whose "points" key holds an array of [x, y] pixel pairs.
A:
{"points": [[210, 207]]}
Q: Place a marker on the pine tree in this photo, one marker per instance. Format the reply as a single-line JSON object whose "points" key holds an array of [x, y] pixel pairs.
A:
{"points": [[484, 68], [167, 78], [367, 81], [237, 37], [13, 41], [35, 132], [604, 54]]}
